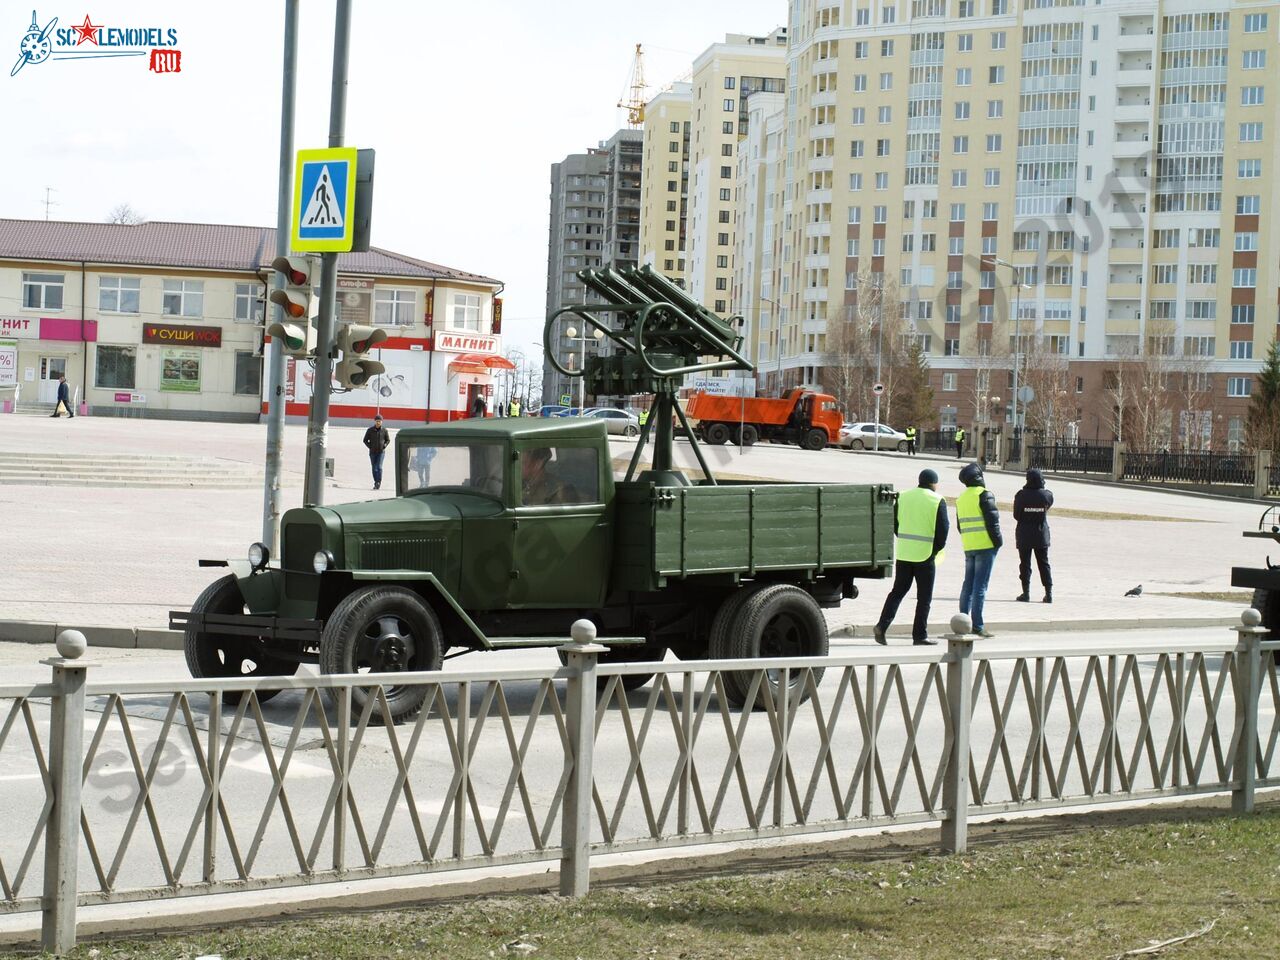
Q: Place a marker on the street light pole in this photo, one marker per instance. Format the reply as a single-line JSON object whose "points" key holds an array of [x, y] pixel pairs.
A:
{"points": [[879, 358], [571, 334], [1017, 343]]}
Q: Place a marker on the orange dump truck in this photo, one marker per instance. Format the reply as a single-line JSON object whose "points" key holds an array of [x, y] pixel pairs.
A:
{"points": [[811, 420]]}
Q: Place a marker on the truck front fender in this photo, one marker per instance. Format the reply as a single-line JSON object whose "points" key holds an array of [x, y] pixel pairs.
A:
{"points": [[446, 606]]}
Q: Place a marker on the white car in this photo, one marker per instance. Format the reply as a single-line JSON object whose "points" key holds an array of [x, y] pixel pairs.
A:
{"points": [[616, 421], [862, 436]]}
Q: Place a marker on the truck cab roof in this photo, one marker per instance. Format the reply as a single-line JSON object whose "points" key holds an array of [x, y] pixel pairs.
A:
{"points": [[513, 428]]}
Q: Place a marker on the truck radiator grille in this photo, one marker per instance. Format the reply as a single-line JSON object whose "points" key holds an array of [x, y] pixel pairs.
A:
{"points": [[301, 541], [403, 553]]}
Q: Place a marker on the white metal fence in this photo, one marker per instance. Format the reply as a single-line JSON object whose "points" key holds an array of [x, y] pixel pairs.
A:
{"points": [[156, 789]]}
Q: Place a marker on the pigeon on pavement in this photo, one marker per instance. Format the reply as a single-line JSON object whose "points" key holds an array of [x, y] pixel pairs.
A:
{"points": [[1135, 592]]}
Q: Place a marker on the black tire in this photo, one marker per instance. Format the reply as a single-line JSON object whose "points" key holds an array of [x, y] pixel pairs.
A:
{"points": [[631, 430], [902, 446], [383, 630], [219, 656], [626, 654], [749, 435], [780, 620], [1267, 603], [718, 646], [814, 439], [717, 434]]}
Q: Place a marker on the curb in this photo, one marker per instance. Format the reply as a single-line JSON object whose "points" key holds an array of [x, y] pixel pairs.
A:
{"points": [[120, 638]]}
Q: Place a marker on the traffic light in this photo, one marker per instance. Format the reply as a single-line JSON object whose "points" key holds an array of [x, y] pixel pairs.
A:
{"points": [[298, 303], [355, 340]]}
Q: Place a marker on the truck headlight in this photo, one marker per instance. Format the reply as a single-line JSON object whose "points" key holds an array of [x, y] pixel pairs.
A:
{"points": [[322, 561], [259, 555]]}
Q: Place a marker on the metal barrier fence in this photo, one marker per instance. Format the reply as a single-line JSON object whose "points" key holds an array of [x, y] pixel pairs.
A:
{"points": [[198, 787], [1201, 468], [1070, 458]]}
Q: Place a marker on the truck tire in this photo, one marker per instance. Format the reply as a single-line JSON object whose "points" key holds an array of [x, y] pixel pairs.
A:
{"points": [[780, 620], [814, 439], [717, 434], [749, 435], [718, 644], [219, 656], [383, 630], [1267, 603]]}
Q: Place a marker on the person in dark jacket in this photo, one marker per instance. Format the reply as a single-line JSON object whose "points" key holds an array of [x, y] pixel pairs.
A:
{"points": [[920, 525], [979, 524], [1031, 512], [377, 439], [64, 398]]}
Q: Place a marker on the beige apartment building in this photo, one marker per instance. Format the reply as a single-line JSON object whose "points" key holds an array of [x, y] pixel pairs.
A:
{"points": [[1094, 178], [665, 180]]}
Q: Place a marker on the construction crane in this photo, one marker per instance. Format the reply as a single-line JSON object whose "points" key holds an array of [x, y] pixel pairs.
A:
{"points": [[634, 105]]}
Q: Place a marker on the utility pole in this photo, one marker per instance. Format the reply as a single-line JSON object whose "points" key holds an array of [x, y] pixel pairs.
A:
{"points": [[48, 201], [879, 355], [271, 496], [318, 424]]}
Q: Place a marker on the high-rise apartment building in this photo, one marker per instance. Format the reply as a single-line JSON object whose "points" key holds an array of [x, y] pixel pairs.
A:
{"points": [[1086, 185], [595, 222], [664, 192]]}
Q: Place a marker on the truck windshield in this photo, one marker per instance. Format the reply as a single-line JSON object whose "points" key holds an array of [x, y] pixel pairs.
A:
{"points": [[475, 466]]}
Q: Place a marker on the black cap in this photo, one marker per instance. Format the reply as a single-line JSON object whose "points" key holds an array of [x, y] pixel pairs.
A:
{"points": [[928, 478], [377, 417]]}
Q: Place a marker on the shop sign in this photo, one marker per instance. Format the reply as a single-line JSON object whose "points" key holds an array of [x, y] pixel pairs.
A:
{"points": [[180, 370], [8, 363], [186, 336], [19, 328], [467, 343], [354, 283], [131, 398]]}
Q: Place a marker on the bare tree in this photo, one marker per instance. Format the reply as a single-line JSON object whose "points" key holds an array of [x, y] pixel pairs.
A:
{"points": [[125, 214], [990, 377], [849, 363], [1048, 374]]}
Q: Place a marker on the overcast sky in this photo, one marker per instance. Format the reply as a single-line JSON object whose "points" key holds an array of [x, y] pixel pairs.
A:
{"points": [[467, 105]]}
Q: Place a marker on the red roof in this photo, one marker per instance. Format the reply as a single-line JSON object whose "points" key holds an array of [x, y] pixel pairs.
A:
{"points": [[208, 246]]}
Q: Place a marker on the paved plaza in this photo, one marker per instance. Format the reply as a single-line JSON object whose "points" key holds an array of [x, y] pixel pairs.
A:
{"points": [[126, 556]]}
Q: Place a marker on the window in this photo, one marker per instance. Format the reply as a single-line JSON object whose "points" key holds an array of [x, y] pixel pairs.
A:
{"points": [[722, 239], [929, 209], [994, 142], [1239, 387], [859, 116], [1251, 96], [855, 181], [726, 127], [995, 109], [673, 146], [1202, 273], [986, 313], [882, 148], [877, 247], [995, 74], [965, 8], [248, 374], [888, 14], [855, 214], [722, 262], [928, 242], [729, 82], [965, 42], [1164, 273], [553, 475], [730, 106], [1255, 23], [886, 46], [991, 211], [964, 76], [955, 246], [959, 178], [722, 283], [1250, 132], [42, 291], [723, 216], [250, 307], [1026, 240], [880, 214], [908, 209], [989, 246], [1248, 169], [998, 39], [886, 81], [960, 144], [183, 298], [726, 149], [1202, 309], [951, 348], [1246, 241], [856, 149], [1242, 313], [1244, 277], [114, 368], [726, 172], [957, 212], [1204, 237], [1166, 238], [885, 115], [1248, 204], [948, 382], [863, 17], [1255, 59], [955, 280], [118, 294], [882, 181], [908, 242], [859, 83], [852, 248], [395, 308], [1241, 349], [962, 109]]}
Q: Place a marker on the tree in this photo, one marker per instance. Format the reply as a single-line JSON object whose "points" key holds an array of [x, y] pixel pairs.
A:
{"points": [[1262, 429], [125, 214], [849, 361], [912, 396], [1048, 374]]}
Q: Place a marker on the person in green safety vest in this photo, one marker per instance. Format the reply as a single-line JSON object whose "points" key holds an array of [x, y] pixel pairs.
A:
{"points": [[959, 442], [644, 417], [911, 441], [979, 523], [921, 527], [514, 409]]}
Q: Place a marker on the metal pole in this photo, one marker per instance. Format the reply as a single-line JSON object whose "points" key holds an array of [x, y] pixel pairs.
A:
{"points": [[879, 357], [271, 493], [582, 370], [318, 425], [583, 654], [1248, 676], [1017, 351]]}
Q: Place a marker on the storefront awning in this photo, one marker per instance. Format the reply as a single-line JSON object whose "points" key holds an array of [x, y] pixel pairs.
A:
{"points": [[468, 363], [495, 362]]}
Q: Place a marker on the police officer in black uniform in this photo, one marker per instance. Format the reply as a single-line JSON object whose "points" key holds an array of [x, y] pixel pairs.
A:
{"points": [[1031, 507]]}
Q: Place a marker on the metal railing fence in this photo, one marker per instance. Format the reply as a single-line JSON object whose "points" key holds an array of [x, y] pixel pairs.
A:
{"points": [[197, 787], [1070, 458], [1199, 468]]}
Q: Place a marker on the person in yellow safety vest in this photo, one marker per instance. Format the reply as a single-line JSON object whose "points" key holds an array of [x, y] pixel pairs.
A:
{"points": [[644, 417], [959, 442], [979, 525], [514, 409], [921, 526], [911, 441]]}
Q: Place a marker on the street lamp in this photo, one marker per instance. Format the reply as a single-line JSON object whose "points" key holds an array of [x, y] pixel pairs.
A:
{"points": [[571, 334], [1017, 343]]}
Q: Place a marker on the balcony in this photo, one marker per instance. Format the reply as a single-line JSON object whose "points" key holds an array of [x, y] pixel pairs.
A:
{"points": [[1129, 183], [1127, 149], [830, 65], [814, 295], [817, 261], [822, 131], [1120, 256], [1131, 112], [818, 196], [1136, 77], [1135, 39], [818, 164], [818, 229], [1124, 291]]}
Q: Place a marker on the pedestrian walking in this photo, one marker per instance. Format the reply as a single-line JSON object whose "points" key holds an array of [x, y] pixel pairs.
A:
{"points": [[911, 441], [478, 407], [1031, 535], [959, 438], [377, 439], [64, 398], [920, 525], [979, 525]]}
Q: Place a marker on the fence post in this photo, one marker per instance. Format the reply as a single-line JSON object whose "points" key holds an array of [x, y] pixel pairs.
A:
{"points": [[66, 758], [583, 655], [1244, 769], [1261, 474], [1117, 462], [955, 785]]}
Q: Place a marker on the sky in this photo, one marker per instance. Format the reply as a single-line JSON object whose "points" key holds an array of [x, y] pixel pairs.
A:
{"points": [[466, 104]]}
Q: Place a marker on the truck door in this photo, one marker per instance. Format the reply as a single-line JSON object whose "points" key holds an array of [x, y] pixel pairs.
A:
{"points": [[563, 526]]}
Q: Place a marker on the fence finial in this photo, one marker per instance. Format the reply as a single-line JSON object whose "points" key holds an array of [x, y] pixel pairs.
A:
{"points": [[1251, 617], [72, 644], [583, 631], [961, 624]]}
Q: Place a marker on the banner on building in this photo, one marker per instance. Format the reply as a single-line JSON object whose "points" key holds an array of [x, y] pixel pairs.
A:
{"points": [[8, 363], [180, 370], [191, 336], [448, 342]]}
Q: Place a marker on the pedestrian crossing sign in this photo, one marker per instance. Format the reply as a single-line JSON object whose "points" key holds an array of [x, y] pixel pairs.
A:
{"points": [[324, 190]]}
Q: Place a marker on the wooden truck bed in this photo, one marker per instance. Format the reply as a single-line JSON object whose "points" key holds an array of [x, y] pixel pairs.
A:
{"points": [[750, 528]]}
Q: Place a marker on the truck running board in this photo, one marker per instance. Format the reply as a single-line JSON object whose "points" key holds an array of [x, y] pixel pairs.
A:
{"points": [[508, 643]]}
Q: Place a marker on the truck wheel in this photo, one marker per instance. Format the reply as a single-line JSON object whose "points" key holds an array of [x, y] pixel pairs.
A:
{"points": [[1267, 603], [749, 435], [814, 439], [218, 656], [718, 643], [717, 434], [383, 630], [780, 620]]}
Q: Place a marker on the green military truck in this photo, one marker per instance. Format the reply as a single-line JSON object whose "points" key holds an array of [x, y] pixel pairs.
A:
{"points": [[503, 532]]}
